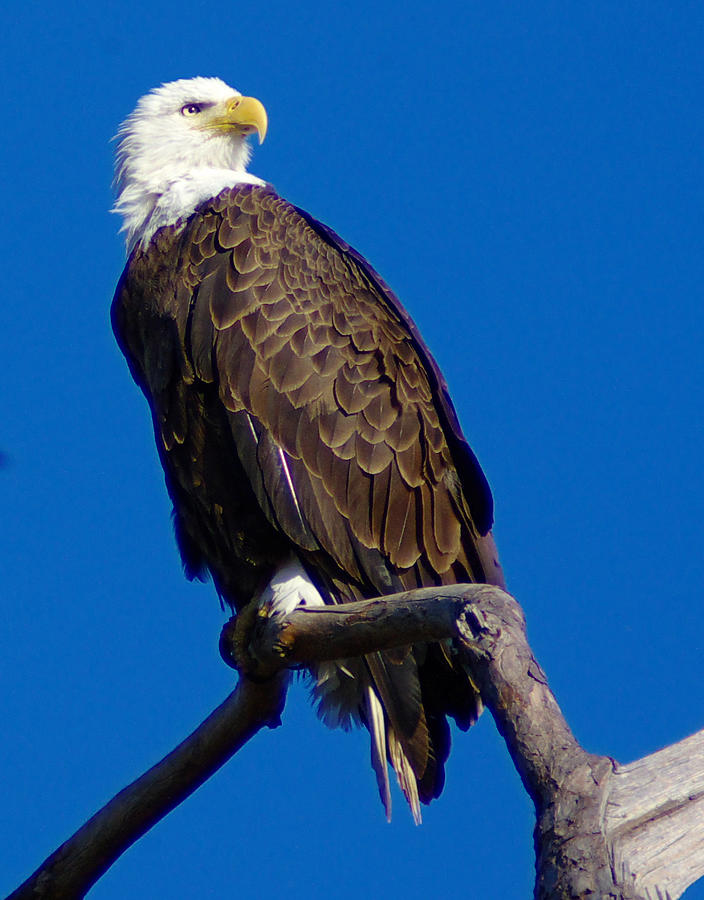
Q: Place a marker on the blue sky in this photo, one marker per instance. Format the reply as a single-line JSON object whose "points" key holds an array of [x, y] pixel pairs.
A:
{"points": [[528, 179]]}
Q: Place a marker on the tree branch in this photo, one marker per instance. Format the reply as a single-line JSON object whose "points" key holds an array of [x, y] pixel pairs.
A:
{"points": [[73, 869], [654, 820], [603, 830]]}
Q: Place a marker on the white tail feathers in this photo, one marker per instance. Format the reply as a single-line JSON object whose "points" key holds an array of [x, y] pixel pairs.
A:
{"points": [[382, 733], [377, 732], [404, 773], [346, 689]]}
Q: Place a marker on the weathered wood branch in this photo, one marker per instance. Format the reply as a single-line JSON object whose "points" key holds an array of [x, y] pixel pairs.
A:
{"points": [[73, 869], [603, 830], [259, 644], [654, 818]]}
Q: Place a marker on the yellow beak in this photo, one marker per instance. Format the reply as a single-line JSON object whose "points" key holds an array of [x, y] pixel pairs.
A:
{"points": [[245, 114]]}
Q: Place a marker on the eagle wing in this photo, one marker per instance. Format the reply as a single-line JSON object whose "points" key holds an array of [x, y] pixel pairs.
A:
{"points": [[300, 339]]}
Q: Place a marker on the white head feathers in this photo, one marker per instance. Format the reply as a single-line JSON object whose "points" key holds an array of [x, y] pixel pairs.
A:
{"points": [[175, 151]]}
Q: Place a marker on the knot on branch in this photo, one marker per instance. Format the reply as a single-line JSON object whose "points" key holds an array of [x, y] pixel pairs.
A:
{"points": [[487, 614]]}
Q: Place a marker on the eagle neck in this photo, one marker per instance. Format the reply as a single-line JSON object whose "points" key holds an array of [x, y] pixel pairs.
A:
{"points": [[146, 205]]}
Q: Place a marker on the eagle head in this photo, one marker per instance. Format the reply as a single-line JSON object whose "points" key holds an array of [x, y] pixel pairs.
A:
{"points": [[185, 142]]}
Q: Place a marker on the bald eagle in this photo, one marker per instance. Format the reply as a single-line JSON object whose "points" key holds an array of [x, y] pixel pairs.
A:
{"points": [[310, 447]]}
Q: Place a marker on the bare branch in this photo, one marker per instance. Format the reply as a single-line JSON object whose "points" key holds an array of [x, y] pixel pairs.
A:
{"points": [[489, 625], [654, 819], [631, 832], [603, 830], [259, 643], [566, 783], [77, 864]]}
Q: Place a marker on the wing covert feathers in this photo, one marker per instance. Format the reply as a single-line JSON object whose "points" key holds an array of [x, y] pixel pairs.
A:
{"points": [[295, 403], [299, 339]]}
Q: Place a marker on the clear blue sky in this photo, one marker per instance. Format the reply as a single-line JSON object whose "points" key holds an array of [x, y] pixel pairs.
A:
{"points": [[527, 176]]}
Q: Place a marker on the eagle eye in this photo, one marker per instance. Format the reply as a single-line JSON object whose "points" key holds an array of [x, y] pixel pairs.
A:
{"points": [[190, 109]]}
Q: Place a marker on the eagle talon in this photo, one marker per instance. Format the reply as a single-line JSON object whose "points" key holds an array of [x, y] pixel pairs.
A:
{"points": [[237, 638]]}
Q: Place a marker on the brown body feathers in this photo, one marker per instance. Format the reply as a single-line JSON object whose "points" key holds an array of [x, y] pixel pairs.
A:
{"points": [[297, 409]]}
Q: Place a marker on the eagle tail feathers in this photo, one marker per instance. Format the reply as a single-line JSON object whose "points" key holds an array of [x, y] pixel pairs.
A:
{"points": [[377, 730], [409, 747], [386, 745], [348, 692], [405, 774]]}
